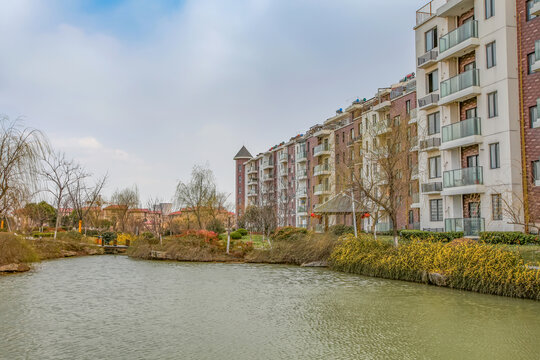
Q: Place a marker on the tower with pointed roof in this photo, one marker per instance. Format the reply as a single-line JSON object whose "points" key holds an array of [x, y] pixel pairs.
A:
{"points": [[240, 180]]}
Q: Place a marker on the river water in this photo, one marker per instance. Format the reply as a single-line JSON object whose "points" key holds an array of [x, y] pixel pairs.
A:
{"points": [[113, 307]]}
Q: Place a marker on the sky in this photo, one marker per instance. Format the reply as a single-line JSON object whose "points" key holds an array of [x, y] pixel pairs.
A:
{"points": [[144, 90]]}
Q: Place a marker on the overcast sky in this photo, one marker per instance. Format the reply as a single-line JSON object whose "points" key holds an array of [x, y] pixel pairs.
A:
{"points": [[146, 89]]}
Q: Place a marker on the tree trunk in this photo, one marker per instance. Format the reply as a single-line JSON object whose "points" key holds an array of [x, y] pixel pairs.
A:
{"points": [[394, 231], [57, 219]]}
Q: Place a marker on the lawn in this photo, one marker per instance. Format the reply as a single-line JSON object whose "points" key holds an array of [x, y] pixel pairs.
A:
{"points": [[256, 238], [530, 253]]}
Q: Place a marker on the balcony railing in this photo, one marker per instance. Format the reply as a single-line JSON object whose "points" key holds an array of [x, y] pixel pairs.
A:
{"points": [[301, 191], [268, 177], [459, 35], [383, 227], [427, 57], [413, 113], [430, 143], [319, 228], [428, 10], [460, 82], [415, 198], [283, 157], [302, 173], [301, 156], [301, 209], [321, 169], [428, 100], [267, 163], [432, 187], [321, 188], [320, 148], [461, 129], [469, 226], [463, 177]]}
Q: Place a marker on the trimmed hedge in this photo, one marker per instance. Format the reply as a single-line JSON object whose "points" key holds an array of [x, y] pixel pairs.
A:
{"points": [[242, 232], [288, 233], [509, 238], [430, 235], [42, 234], [235, 235]]}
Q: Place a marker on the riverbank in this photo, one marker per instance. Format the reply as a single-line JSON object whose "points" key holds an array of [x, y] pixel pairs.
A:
{"points": [[17, 253]]}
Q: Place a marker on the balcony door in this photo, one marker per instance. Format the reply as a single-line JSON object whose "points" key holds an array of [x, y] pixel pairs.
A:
{"points": [[470, 113], [472, 161]]}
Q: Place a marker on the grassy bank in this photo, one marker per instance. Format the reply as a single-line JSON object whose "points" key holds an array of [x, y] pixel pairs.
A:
{"points": [[17, 250], [464, 265]]}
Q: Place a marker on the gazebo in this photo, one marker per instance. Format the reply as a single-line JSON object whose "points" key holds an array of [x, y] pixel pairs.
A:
{"points": [[340, 204]]}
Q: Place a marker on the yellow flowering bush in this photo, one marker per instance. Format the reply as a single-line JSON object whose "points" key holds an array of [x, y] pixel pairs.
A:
{"points": [[122, 237], [466, 265]]}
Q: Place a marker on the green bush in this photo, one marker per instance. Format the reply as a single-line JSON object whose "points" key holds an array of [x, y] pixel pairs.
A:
{"points": [[508, 237], [235, 235], [108, 237], [69, 235], [244, 232], [38, 234], [288, 233], [430, 235], [341, 229]]}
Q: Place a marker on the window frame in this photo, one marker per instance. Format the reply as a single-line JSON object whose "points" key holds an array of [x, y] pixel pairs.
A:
{"points": [[438, 168], [494, 156], [528, 5], [435, 40], [437, 123], [533, 118], [437, 205], [491, 54], [496, 207], [531, 59], [493, 100], [489, 10], [432, 80]]}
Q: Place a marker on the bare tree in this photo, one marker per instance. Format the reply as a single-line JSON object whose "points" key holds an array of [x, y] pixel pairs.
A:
{"points": [[126, 200], [59, 173], [155, 218], [82, 196], [21, 150], [384, 178], [200, 194]]}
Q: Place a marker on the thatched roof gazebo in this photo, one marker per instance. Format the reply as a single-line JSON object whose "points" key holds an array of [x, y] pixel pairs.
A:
{"points": [[340, 204]]}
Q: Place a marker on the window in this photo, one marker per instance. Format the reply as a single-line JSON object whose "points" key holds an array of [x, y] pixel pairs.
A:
{"points": [[411, 217], [496, 206], [493, 108], [491, 55], [397, 120], [530, 4], [470, 113], [408, 106], [536, 171], [337, 158], [434, 123], [431, 39], [470, 66], [433, 81], [490, 8], [436, 210], [531, 58], [472, 161], [494, 157], [435, 167], [533, 115]]}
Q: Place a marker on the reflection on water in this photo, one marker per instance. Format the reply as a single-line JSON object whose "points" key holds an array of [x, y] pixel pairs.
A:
{"points": [[112, 307]]}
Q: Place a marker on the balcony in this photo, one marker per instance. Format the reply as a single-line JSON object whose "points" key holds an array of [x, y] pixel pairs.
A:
{"points": [[301, 174], [431, 188], [414, 172], [283, 157], [252, 170], [427, 11], [463, 181], [383, 126], [428, 102], [354, 139], [428, 59], [322, 149], [471, 227], [382, 106], [461, 87], [301, 156], [301, 211], [536, 66], [301, 192], [267, 164], [323, 169], [459, 41], [321, 189], [463, 133], [535, 9], [253, 181], [430, 144], [252, 193], [455, 7], [268, 177], [413, 114]]}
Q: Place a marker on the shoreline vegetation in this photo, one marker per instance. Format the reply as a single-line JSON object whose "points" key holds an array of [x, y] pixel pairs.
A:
{"points": [[462, 264]]}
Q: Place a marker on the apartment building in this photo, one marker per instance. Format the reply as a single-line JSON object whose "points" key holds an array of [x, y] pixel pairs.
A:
{"points": [[240, 179], [528, 28], [468, 111]]}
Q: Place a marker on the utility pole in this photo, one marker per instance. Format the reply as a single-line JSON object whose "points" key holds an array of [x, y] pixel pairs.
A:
{"points": [[228, 232], [354, 214]]}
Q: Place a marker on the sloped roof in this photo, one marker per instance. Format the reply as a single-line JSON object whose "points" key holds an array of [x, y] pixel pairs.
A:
{"points": [[339, 204], [243, 154]]}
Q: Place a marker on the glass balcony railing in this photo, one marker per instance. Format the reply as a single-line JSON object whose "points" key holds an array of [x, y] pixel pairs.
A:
{"points": [[461, 129], [321, 169], [302, 173], [463, 177], [301, 191], [433, 142], [460, 82], [459, 35], [302, 155], [428, 100], [321, 188], [301, 209], [415, 198], [383, 227], [283, 157], [432, 187], [469, 226], [321, 148]]}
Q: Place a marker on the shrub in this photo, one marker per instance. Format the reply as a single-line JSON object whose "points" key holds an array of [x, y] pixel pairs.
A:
{"points": [[508, 237], [38, 234], [69, 235], [430, 235], [465, 265], [108, 237], [14, 250], [243, 232], [235, 235], [216, 226], [288, 233], [341, 229]]}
